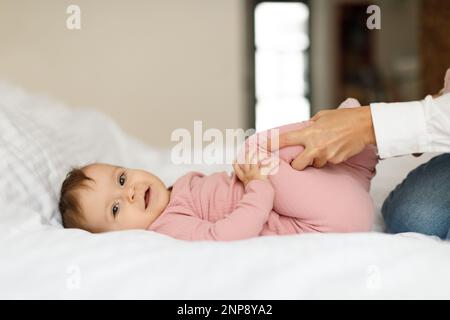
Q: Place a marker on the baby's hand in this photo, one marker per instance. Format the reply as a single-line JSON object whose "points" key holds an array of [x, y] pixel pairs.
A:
{"points": [[252, 169]]}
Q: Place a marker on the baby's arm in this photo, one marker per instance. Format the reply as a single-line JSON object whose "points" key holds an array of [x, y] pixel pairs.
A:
{"points": [[246, 221], [249, 216]]}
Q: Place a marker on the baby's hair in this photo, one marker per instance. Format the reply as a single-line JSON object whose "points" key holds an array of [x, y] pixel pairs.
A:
{"points": [[69, 205]]}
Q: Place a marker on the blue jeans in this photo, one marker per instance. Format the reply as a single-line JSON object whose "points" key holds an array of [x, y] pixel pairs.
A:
{"points": [[421, 203]]}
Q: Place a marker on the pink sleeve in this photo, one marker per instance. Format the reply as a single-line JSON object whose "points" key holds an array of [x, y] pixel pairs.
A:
{"points": [[246, 221]]}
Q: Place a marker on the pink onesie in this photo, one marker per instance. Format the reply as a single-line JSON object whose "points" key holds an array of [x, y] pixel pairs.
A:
{"points": [[217, 207]]}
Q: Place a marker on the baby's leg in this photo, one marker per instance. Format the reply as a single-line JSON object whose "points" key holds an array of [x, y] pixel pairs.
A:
{"points": [[331, 199]]}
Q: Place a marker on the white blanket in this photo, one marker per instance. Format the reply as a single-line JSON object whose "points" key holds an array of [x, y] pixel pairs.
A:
{"points": [[39, 259], [54, 263]]}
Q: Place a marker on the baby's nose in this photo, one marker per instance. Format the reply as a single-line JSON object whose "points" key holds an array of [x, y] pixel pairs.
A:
{"points": [[131, 194]]}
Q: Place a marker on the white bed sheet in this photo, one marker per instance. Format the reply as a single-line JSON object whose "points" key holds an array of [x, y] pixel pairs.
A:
{"points": [[48, 262], [38, 260]]}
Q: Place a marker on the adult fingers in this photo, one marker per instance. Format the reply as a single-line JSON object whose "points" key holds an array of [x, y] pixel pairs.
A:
{"points": [[291, 138], [319, 162], [303, 160]]}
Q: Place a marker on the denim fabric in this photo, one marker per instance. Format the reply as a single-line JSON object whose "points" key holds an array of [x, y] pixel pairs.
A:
{"points": [[421, 203]]}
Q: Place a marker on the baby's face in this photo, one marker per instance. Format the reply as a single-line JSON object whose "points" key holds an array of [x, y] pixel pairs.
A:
{"points": [[121, 199]]}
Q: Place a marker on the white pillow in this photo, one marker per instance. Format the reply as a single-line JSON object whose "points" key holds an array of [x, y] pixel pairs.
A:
{"points": [[40, 140]]}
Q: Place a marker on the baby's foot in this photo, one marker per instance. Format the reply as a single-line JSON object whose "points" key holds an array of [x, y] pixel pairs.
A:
{"points": [[350, 103], [447, 82], [446, 88]]}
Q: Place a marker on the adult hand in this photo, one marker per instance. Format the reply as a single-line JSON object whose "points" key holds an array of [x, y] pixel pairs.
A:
{"points": [[333, 136]]}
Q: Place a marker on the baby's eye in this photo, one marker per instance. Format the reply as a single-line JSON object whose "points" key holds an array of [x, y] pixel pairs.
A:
{"points": [[122, 178], [115, 209]]}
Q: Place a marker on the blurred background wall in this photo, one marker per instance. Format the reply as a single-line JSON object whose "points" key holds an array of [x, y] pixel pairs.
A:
{"points": [[157, 65], [434, 42], [349, 60], [153, 65]]}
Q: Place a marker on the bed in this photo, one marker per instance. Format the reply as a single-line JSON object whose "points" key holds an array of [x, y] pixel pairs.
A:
{"points": [[40, 139]]}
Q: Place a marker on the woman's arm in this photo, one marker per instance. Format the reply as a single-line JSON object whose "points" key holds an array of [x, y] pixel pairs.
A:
{"points": [[410, 127], [396, 128]]}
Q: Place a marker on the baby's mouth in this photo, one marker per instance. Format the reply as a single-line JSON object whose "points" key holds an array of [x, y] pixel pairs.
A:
{"points": [[147, 197]]}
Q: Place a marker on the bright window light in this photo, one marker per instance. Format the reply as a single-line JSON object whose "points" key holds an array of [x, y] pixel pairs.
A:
{"points": [[281, 41]]}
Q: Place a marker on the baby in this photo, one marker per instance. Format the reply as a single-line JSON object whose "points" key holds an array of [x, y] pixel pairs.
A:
{"points": [[251, 202]]}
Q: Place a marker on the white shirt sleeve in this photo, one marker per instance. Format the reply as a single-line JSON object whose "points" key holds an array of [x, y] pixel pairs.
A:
{"points": [[412, 127]]}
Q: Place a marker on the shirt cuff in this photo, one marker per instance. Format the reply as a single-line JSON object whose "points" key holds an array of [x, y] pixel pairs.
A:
{"points": [[400, 128]]}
